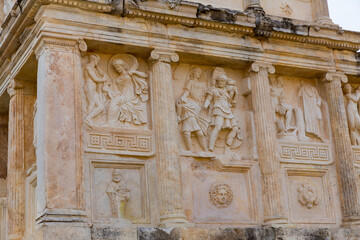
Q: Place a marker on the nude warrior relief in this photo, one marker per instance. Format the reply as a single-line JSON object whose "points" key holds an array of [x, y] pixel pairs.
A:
{"points": [[352, 111]]}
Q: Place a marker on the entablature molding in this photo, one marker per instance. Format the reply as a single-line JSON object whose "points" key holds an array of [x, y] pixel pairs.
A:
{"points": [[188, 14]]}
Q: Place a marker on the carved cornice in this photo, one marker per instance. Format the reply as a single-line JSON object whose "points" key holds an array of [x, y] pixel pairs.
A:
{"points": [[86, 5], [257, 66], [335, 76], [246, 23], [164, 56]]}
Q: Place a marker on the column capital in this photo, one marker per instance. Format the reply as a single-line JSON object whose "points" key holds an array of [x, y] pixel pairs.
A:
{"points": [[19, 86], [335, 76], [14, 87], [256, 66], [163, 55], [47, 43]]}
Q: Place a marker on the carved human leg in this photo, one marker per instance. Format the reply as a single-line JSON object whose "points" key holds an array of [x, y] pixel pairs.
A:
{"points": [[213, 136], [201, 139]]}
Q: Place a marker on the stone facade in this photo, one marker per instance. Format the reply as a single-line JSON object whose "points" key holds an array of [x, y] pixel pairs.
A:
{"points": [[178, 120]]}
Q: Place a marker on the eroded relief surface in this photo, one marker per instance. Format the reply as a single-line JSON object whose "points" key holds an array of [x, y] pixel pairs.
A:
{"points": [[301, 119], [118, 194], [116, 97], [211, 112], [309, 196], [116, 104], [222, 196]]}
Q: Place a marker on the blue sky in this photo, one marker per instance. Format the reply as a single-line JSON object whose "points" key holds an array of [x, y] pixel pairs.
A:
{"points": [[345, 13]]}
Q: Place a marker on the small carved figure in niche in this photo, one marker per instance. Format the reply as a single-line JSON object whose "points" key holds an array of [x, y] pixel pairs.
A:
{"points": [[94, 79], [118, 194], [285, 111], [127, 91], [353, 117], [221, 195], [222, 116], [311, 103], [189, 108], [307, 195]]}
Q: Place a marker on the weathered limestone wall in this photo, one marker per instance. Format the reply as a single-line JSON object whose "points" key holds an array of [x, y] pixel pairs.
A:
{"points": [[172, 120]]}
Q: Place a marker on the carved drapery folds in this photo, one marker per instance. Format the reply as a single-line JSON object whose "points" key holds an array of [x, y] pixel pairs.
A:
{"points": [[166, 130], [21, 153], [347, 177], [266, 142], [117, 97]]}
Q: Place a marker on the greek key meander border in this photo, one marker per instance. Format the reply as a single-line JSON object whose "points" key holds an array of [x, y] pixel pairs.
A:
{"points": [[305, 153], [119, 143]]}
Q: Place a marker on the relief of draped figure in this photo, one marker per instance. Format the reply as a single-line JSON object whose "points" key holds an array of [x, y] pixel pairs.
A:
{"points": [[118, 98], [311, 104]]}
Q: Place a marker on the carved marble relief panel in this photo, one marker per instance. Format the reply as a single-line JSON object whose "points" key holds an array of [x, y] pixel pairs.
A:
{"points": [[222, 196], [116, 107], [119, 193], [309, 196], [301, 118], [212, 114]]}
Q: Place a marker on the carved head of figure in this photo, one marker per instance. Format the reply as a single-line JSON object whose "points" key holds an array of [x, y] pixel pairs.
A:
{"points": [[221, 195], [221, 81], [195, 73], [347, 88], [120, 66], [95, 59], [116, 176]]}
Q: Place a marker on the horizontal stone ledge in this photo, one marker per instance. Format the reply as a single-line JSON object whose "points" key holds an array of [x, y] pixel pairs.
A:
{"points": [[253, 233]]}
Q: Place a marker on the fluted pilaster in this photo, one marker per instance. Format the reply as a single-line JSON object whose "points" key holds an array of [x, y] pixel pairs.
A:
{"points": [[20, 151], [267, 142], [166, 131], [344, 158]]}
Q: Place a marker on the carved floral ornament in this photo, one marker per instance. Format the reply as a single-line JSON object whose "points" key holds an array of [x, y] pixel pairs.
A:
{"points": [[221, 195], [308, 195]]}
